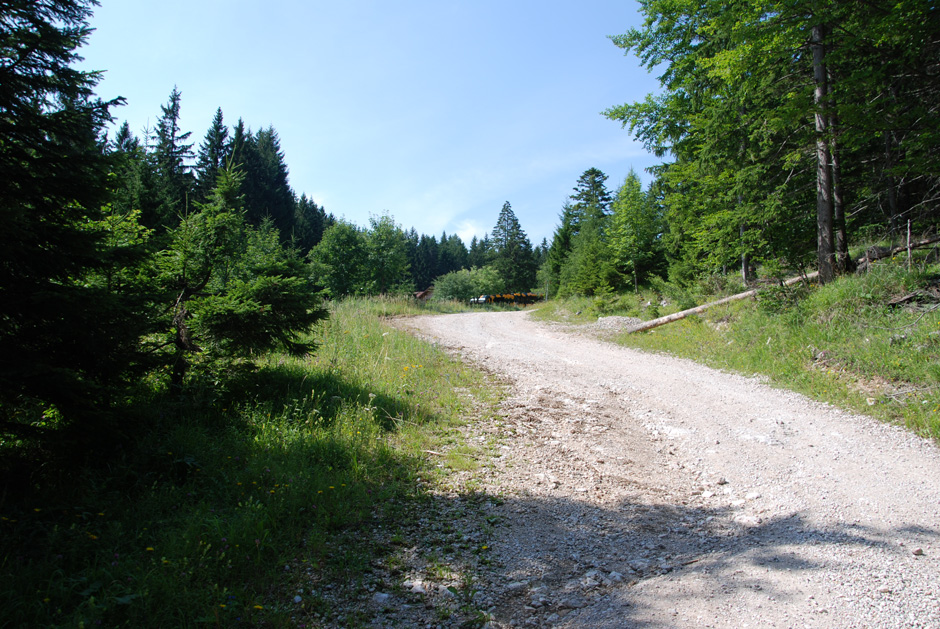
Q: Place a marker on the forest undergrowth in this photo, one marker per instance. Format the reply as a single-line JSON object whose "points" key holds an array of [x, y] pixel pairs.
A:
{"points": [[237, 503]]}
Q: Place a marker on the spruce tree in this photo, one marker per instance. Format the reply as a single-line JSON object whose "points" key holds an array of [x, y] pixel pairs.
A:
{"points": [[512, 252], [267, 192], [591, 199], [234, 290], [171, 154], [212, 157], [68, 338], [310, 221]]}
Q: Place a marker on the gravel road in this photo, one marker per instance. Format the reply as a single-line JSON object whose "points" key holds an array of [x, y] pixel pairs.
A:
{"points": [[648, 491]]}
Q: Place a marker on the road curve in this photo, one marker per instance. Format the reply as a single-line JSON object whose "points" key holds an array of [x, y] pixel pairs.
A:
{"points": [[648, 491]]}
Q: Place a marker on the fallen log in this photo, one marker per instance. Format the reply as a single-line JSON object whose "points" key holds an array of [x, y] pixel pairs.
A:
{"points": [[879, 254], [870, 256], [655, 323]]}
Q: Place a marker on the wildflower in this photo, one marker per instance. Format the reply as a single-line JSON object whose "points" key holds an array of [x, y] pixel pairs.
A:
{"points": [[258, 607], [149, 549]]}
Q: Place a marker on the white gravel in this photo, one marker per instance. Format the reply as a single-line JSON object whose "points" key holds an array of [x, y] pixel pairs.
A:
{"points": [[647, 491]]}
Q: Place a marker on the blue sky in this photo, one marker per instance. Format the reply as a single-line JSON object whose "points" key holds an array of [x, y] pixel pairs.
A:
{"points": [[436, 112]]}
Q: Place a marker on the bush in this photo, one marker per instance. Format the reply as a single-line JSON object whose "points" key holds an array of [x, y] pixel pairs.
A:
{"points": [[465, 284]]}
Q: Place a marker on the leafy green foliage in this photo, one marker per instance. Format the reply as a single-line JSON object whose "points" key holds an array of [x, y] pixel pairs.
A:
{"points": [[339, 260], [466, 284], [737, 118], [354, 261], [387, 257]]}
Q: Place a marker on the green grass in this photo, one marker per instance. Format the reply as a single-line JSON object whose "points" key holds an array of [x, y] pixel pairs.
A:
{"points": [[227, 503], [840, 343]]}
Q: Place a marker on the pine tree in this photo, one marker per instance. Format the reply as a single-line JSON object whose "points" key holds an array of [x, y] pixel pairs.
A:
{"points": [[175, 182], [427, 259], [310, 221], [131, 170], [559, 250], [453, 254], [68, 338], [478, 254], [212, 157], [591, 199], [266, 187], [512, 252], [636, 227], [235, 291]]}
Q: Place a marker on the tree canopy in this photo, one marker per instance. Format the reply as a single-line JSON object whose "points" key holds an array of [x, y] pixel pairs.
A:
{"points": [[788, 125]]}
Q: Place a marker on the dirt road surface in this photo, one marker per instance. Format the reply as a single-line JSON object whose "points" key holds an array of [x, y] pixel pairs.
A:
{"points": [[647, 491]]}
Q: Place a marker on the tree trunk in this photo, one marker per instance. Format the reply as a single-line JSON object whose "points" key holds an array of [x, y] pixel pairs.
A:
{"points": [[893, 205], [843, 261], [825, 250], [746, 271]]}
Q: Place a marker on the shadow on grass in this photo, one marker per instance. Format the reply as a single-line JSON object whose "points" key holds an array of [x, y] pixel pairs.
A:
{"points": [[207, 504], [298, 386]]}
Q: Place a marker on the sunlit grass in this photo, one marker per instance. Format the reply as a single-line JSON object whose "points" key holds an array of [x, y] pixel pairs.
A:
{"points": [[841, 343]]}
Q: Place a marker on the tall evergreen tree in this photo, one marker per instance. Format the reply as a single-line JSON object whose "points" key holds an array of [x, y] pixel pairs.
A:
{"points": [[427, 258], [477, 256], [559, 250], [453, 254], [67, 337], [636, 227], [310, 221], [591, 199], [212, 157], [267, 191], [171, 154], [512, 252], [589, 268], [132, 171], [235, 291]]}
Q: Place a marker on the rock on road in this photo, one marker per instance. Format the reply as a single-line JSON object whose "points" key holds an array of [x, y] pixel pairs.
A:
{"points": [[642, 490]]}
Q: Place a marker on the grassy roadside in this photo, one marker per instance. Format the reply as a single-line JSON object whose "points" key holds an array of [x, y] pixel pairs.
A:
{"points": [[842, 343], [243, 504]]}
